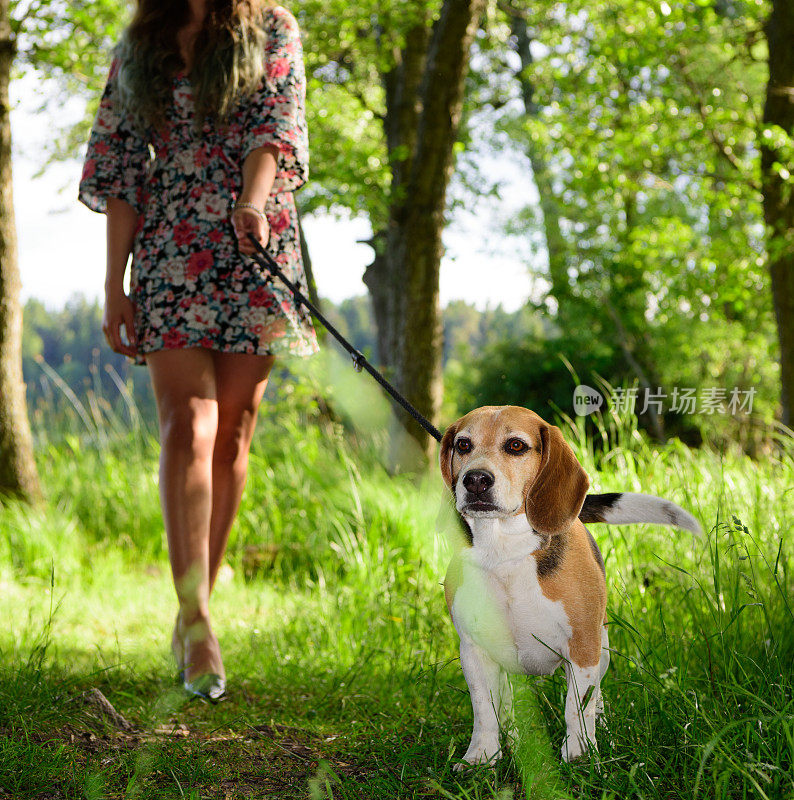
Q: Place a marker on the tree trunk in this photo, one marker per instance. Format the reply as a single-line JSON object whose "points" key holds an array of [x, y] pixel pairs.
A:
{"points": [[384, 294], [403, 106], [777, 191], [424, 95], [17, 468], [306, 258], [311, 284], [626, 344], [555, 241]]}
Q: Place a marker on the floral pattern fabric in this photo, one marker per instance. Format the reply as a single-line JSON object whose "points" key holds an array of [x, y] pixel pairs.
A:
{"points": [[189, 284]]}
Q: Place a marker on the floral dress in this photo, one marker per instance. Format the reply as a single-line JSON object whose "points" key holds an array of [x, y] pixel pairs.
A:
{"points": [[189, 284]]}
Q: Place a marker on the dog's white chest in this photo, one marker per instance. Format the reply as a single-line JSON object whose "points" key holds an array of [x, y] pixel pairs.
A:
{"points": [[500, 606]]}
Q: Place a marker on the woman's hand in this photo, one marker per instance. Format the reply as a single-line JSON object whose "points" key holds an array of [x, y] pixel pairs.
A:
{"points": [[245, 221], [119, 311]]}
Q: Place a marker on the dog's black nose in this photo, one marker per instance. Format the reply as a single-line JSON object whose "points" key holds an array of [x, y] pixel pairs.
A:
{"points": [[478, 481]]}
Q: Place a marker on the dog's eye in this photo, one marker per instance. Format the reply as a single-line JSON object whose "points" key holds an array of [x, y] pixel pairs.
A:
{"points": [[516, 446], [463, 445]]}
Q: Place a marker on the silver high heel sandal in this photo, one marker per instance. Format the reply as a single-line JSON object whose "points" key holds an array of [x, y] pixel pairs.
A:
{"points": [[209, 686]]}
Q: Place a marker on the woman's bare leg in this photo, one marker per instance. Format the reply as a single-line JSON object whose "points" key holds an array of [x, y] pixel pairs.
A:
{"points": [[184, 385], [240, 380]]}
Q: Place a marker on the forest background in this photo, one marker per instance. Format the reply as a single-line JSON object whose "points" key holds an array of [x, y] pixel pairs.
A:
{"points": [[643, 237]]}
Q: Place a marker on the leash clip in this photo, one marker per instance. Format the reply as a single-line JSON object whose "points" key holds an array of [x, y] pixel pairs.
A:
{"points": [[358, 361]]}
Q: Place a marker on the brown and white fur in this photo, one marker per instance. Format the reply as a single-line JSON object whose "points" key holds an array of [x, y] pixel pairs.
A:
{"points": [[530, 592]]}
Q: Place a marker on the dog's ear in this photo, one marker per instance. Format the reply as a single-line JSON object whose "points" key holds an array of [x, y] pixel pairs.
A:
{"points": [[446, 453], [554, 498]]}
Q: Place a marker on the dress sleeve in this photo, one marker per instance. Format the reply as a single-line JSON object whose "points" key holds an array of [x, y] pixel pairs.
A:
{"points": [[276, 112], [117, 156]]}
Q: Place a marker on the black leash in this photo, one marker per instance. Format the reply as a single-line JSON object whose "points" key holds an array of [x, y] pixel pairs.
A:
{"points": [[266, 261]]}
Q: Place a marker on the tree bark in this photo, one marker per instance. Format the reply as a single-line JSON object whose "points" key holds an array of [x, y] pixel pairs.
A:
{"points": [[384, 294], [403, 106], [424, 94], [306, 258], [18, 475], [777, 191], [626, 344], [555, 241]]}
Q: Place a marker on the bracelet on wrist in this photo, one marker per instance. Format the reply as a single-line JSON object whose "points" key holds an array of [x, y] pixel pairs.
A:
{"points": [[251, 207]]}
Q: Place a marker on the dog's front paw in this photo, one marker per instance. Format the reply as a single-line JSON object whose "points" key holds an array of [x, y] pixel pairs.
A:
{"points": [[479, 753], [575, 747], [599, 708]]}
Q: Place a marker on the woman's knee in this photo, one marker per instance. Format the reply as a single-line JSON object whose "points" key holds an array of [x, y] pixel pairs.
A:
{"points": [[189, 424], [233, 440]]}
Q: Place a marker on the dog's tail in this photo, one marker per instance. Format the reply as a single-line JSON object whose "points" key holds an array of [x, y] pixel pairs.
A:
{"points": [[624, 508]]}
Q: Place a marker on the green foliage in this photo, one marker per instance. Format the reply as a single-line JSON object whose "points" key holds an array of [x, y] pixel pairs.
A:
{"points": [[642, 122], [67, 45], [542, 372], [353, 319], [529, 372], [66, 40], [490, 357], [468, 332], [350, 49], [349, 165], [65, 357]]}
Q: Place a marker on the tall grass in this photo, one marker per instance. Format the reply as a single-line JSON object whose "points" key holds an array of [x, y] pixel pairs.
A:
{"points": [[333, 623]]}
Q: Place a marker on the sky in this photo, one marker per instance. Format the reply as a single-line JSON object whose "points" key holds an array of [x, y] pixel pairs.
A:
{"points": [[62, 243]]}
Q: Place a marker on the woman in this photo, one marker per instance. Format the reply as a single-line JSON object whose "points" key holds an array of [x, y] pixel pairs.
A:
{"points": [[199, 140]]}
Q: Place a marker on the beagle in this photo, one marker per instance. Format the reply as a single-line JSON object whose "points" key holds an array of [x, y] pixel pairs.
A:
{"points": [[529, 593]]}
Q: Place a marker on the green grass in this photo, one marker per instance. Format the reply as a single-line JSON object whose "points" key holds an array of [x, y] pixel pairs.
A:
{"points": [[344, 679]]}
